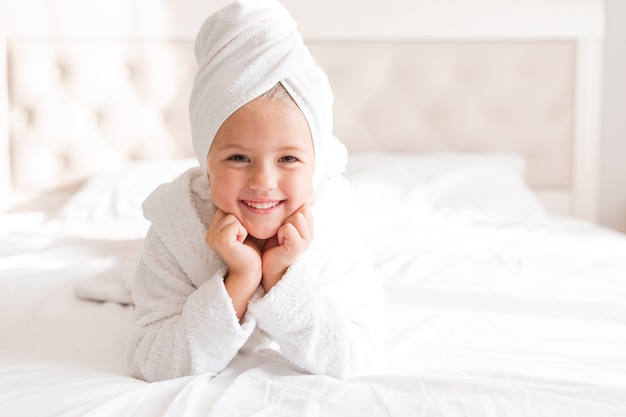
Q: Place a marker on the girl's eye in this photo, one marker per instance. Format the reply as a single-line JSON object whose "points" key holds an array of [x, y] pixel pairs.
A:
{"points": [[238, 158], [288, 158]]}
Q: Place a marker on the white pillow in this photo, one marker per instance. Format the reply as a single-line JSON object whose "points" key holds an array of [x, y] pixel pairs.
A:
{"points": [[108, 206], [486, 188]]}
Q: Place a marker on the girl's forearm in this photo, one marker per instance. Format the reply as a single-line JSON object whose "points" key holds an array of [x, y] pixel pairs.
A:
{"points": [[240, 288]]}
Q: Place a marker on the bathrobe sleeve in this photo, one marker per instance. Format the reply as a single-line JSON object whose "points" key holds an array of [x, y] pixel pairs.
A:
{"points": [[185, 322], [326, 312], [179, 329]]}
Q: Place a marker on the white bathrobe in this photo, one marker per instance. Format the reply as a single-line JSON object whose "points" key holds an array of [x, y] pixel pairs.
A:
{"points": [[325, 314]]}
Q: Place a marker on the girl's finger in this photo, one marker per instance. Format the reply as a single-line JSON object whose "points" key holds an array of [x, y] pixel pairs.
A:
{"points": [[288, 235], [301, 220], [233, 227], [217, 217], [227, 227]]}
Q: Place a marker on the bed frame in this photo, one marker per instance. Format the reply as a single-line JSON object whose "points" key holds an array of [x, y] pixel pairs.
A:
{"points": [[85, 85]]}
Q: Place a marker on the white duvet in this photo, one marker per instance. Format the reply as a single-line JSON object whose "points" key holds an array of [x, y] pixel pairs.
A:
{"points": [[493, 308]]}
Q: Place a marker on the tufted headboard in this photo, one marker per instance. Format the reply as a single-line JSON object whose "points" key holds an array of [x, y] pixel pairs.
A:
{"points": [[77, 107], [92, 84]]}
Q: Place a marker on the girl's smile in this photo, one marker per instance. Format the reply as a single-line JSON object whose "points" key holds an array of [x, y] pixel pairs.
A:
{"points": [[261, 164], [261, 207]]}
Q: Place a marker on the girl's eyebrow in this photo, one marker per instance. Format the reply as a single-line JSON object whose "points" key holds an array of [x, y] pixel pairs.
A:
{"points": [[231, 147], [292, 148], [242, 148]]}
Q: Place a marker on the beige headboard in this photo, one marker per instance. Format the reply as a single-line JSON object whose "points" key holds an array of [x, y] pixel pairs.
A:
{"points": [[407, 76]]}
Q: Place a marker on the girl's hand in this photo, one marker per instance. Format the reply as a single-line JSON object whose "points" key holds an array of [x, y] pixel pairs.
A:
{"points": [[291, 240], [229, 239]]}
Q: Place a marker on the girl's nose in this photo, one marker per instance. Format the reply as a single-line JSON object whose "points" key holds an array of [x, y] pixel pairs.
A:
{"points": [[264, 177]]}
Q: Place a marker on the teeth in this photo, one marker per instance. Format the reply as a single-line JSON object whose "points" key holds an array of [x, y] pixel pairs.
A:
{"points": [[262, 206]]}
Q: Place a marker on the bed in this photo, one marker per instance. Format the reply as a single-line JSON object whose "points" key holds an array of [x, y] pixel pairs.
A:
{"points": [[473, 154]]}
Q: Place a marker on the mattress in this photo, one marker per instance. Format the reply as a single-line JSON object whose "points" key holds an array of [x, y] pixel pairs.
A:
{"points": [[492, 307]]}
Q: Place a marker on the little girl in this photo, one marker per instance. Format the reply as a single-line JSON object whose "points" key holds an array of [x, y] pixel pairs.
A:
{"points": [[259, 243]]}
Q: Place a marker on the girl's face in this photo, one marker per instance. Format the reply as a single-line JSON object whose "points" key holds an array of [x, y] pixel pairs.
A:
{"points": [[260, 165]]}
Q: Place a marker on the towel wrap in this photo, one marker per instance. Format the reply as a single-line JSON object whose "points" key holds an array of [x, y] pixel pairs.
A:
{"points": [[242, 51]]}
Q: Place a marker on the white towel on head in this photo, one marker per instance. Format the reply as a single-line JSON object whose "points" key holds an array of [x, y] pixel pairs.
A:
{"points": [[245, 49]]}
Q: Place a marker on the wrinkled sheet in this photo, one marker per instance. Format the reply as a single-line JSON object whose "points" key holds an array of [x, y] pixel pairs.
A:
{"points": [[522, 322], [484, 318]]}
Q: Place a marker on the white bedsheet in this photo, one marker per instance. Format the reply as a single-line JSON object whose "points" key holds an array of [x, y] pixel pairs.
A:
{"points": [[493, 309]]}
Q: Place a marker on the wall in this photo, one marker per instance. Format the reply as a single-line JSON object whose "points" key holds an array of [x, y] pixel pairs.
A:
{"points": [[612, 190]]}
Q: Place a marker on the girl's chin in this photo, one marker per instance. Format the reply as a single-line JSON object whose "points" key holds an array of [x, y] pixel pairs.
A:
{"points": [[262, 234]]}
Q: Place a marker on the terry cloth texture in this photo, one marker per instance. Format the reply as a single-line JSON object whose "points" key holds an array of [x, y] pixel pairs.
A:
{"points": [[324, 315]]}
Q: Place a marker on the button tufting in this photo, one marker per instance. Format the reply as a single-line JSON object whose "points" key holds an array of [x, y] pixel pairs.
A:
{"points": [[99, 117], [21, 118], [65, 159], [136, 155], [131, 71], [60, 72]]}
